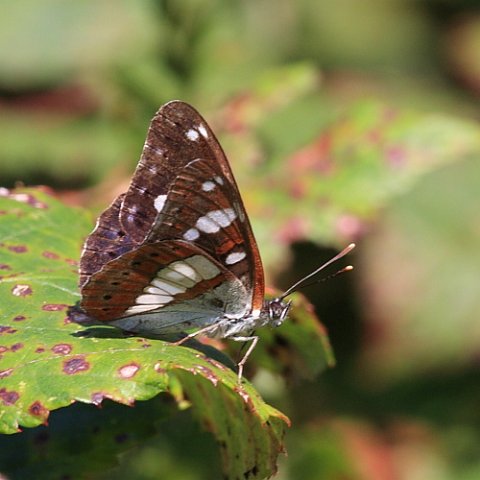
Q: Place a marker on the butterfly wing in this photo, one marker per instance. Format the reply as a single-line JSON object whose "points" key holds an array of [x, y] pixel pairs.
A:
{"points": [[107, 241], [183, 189], [202, 208], [163, 287]]}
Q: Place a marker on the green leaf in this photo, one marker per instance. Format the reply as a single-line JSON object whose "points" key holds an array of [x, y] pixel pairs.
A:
{"points": [[426, 317], [350, 168], [48, 362]]}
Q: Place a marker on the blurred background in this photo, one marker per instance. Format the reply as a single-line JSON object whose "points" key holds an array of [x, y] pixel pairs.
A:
{"points": [[343, 121]]}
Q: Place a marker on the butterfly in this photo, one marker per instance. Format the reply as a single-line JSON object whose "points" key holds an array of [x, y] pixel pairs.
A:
{"points": [[176, 252]]}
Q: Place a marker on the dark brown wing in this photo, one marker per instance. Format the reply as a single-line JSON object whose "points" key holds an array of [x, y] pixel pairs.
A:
{"points": [[107, 241], [180, 155]]}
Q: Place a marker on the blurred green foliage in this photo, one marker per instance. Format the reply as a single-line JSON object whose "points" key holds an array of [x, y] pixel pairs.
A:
{"points": [[343, 121]]}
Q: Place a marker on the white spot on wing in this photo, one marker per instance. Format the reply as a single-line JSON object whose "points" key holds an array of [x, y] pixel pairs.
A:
{"points": [[191, 235], [186, 270], [208, 186], [192, 135], [163, 286], [153, 299], [216, 219], [139, 309], [219, 180], [203, 266], [159, 203], [174, 276], [235, 257], [203, 131]]}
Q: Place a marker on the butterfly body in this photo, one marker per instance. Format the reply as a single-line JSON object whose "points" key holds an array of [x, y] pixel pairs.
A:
{"points": [[176, 252]]}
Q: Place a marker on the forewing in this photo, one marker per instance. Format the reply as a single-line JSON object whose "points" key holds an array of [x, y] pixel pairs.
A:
{"points": [[202, 208], [177, 135], [107, 242]]}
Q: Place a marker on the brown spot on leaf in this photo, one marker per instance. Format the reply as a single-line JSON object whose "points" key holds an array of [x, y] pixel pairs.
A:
{"points": [[245, 396], [39, 349], [38, 410], [16, 346], [6, 329], [19, 318], [62, 348], [5, 373], [75, 365], [21, 290], [8, 398], [207, 373], [24, 198], [18, 248], [144, 342], [216, 364], [4, 266], [50, 255], [54, 307], [3, 349], [159, 369], [128, 371], [70, 261], [97, 397]]}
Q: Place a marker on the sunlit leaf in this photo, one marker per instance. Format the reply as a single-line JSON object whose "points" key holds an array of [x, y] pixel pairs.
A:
{"points": [[48, 362]]}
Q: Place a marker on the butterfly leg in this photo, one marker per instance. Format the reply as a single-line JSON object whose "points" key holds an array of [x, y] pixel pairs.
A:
{"points": [[241, 363], [206, 329]]}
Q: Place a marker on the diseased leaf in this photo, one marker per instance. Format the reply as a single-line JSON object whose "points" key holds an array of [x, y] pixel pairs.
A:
{"points": [[48, 362]]}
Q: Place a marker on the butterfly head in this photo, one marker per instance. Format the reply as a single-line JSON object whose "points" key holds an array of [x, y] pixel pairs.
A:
{"points": [[277, 311]]}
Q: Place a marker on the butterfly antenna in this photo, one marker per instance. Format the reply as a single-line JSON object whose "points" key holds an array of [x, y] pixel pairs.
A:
{"points": [[328, 277], [302, 281]]}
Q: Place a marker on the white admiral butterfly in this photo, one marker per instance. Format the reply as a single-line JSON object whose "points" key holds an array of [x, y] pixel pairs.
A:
{"points": [[176, 251]]}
